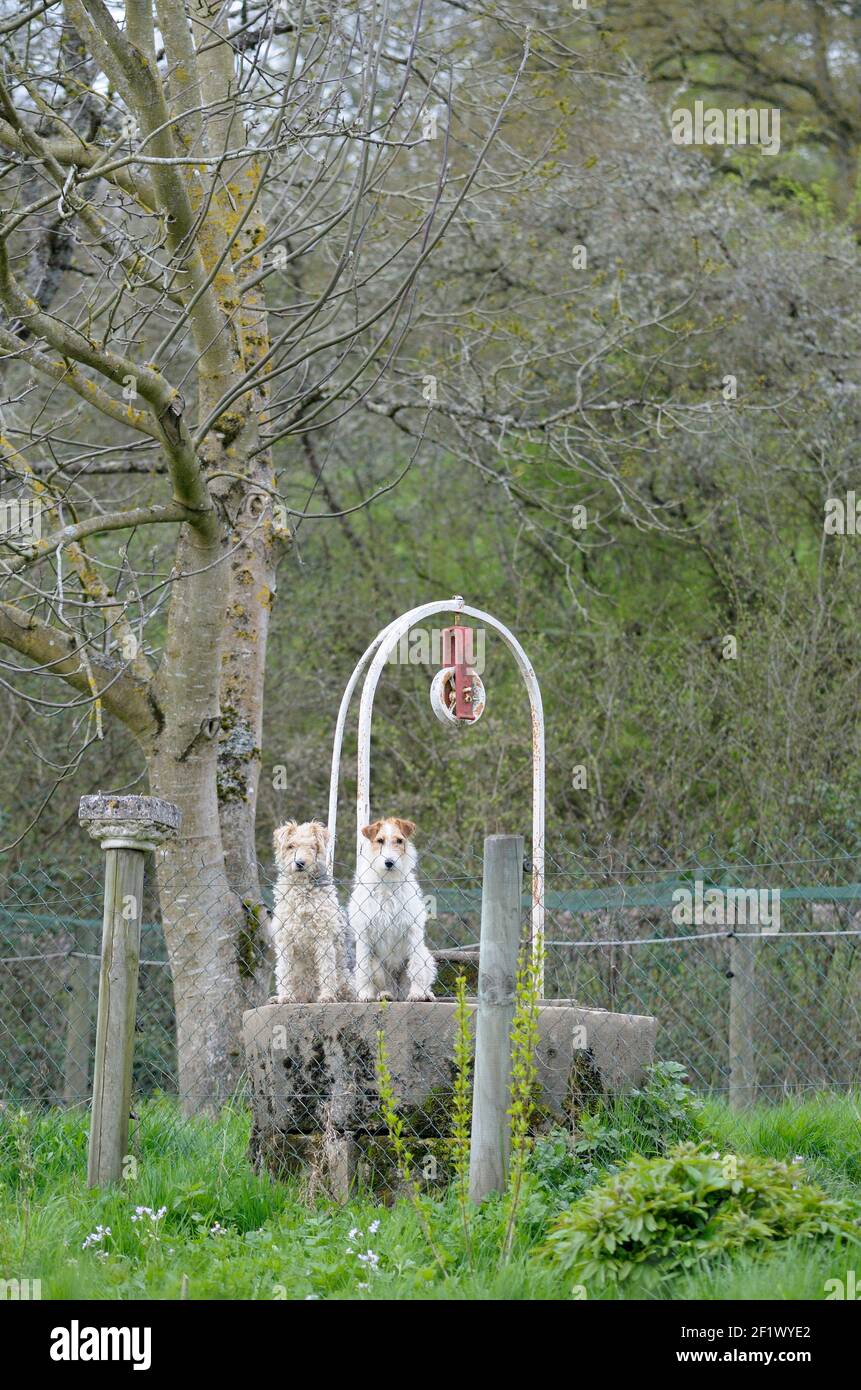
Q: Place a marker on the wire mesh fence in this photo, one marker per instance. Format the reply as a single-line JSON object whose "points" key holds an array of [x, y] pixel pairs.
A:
{"points": [[751, 970]]}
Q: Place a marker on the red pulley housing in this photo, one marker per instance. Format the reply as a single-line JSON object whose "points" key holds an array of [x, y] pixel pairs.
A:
{"points": [[457, 651]]}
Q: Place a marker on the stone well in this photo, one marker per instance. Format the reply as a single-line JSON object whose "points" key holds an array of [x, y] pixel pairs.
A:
{"points": [[314, 1093]]}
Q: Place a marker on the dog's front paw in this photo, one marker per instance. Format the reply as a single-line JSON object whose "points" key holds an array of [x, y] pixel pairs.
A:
{"points": [[419, 996], [278, 999], [325, 998], [385, 997]]}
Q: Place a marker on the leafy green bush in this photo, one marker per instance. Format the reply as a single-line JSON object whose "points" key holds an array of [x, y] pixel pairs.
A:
{"points": [[663, 1112], [663, 1215], [647, 1121], [553, 1180]]}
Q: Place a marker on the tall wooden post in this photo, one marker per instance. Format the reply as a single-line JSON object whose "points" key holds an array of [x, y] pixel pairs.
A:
{"points": [[126, 827], [742, 1021], [497, 971]]}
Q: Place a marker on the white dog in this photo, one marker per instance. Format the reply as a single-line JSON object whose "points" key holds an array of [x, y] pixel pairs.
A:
{"points": [[387, 916], [308, 928]]}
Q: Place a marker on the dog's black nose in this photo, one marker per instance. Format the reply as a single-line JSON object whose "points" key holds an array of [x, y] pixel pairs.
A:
{"points": [[300, 863], [390, 863]]}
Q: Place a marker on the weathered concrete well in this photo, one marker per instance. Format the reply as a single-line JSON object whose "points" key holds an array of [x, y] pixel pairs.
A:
{"points": [[314, 1092]]}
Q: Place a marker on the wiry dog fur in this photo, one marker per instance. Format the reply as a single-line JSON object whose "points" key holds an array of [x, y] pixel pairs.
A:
{"points": [[387, 916], [308, 928]]}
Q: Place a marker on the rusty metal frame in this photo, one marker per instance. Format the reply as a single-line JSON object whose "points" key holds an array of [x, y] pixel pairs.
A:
{"points": [[380, 649]]}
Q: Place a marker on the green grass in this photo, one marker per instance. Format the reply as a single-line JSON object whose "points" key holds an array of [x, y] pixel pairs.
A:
{"points": [[278, 1243], [825, 1131]]}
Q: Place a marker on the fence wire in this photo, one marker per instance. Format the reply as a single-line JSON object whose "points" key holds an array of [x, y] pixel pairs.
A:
{"points": [[751, 970]]}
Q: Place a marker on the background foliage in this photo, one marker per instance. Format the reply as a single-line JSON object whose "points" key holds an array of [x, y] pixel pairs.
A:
{"points": [[704, 515]]}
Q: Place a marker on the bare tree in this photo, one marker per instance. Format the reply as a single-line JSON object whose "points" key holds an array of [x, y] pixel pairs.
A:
{"points": [[161, 167]]}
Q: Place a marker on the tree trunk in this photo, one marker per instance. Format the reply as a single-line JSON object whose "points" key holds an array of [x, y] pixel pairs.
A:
{"points": [[203, 926], [202, 915], [211, 899]]}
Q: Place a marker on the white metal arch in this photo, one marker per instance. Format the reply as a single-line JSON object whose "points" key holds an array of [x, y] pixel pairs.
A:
{"points": [[383, 645]]}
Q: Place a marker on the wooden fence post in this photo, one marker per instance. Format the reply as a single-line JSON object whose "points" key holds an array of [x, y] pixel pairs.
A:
{"points": [[497, 970], [742, 1021], [126, 827], [80, 999]]}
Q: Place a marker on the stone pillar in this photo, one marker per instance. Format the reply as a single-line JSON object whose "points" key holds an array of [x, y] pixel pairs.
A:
{"points": [[126, 827]]}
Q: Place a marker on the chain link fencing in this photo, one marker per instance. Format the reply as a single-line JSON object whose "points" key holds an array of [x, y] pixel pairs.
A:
{"points": [[750, 968]]}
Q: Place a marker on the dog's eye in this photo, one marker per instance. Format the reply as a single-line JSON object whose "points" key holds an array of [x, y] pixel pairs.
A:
{"points": [[380, 840], [398, 842]]}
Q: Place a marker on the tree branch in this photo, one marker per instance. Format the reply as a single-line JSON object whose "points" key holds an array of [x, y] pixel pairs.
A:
{"points": [[57, 653]]}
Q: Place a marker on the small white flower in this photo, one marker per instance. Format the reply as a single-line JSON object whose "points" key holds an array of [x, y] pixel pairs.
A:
{"points": [[373, 1228], [354, 1233], [370, 1259], [154, 1216], [96, 1237]]}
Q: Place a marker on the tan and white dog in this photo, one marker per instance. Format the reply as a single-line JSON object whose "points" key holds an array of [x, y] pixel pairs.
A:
{"points": [[387, 916], [308, 928]]}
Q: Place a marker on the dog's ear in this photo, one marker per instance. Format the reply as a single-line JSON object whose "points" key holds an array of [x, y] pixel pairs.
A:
{"points": [[406, 827], [322, 834], [281, 837], [369, 831]]}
